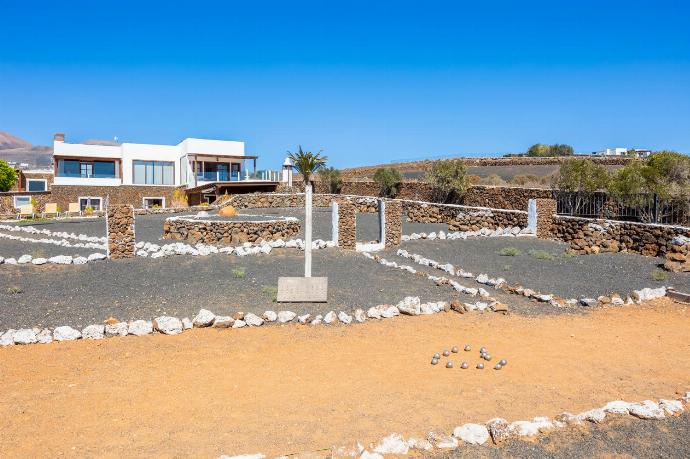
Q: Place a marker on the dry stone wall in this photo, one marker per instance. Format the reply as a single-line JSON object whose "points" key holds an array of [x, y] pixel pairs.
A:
{"points": [[546, 210], [678, 255], [228, 232], [347, 226], [585, 236], [132, 195], [120, 227], [363, 204], [503, 197], [393, 223], [463, 218]]}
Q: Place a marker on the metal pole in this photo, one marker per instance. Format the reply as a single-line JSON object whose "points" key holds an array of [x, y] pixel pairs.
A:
{"points": [[307, 230]]}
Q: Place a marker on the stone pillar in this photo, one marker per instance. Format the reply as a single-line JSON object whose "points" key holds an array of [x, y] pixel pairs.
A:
{"points": [[347, 226], [393, 223], [382, 220], [546, 209], [119, 221], [532, 216], [334, 222]]}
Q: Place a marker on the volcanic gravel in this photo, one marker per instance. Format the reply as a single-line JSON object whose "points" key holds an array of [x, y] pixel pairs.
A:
{"points": [[144, 288], [617, 437], [569, 277]]}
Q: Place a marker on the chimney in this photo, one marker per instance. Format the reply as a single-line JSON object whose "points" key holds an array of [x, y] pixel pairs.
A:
{"points": [[59, 137]]}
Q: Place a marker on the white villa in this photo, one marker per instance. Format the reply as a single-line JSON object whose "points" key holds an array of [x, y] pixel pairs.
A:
{"points": [[203, 168]]}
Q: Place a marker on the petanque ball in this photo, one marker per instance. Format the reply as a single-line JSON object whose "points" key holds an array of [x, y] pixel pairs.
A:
{"points": [[480, 366], [468, 347], [454, 350], [449, 364], [434, 361], [498, 366], [446, 353], [464, 366], [437, 356], [503, 362], [482, 350], [487, 357]]}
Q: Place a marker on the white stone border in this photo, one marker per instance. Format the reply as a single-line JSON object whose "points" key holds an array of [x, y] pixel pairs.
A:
{"points": [[58, 234], [58, 242], [511, 231], [168, 325]]}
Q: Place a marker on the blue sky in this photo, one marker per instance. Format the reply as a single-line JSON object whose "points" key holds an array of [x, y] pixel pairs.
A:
{"points": [[367, 82]]}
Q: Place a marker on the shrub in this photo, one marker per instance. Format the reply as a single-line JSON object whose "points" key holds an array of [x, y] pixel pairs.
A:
{"points": [[493, 180], [474, 179], [88, 210], [204, 204], [526, 179], [541, 254], [8, 176], [658, 275], [581, 175], [14, 290], [388, 180], [239, 272], [448, 180], [665, 173], [331, 177], [509, 252], [180, 198], [271, 292], [558, 149]]}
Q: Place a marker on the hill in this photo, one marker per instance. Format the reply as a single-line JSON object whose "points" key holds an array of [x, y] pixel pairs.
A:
{"points": [[18, 150]]}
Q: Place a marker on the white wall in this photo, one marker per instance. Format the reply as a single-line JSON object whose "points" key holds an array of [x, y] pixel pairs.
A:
{"points": [[146, 152], [86, 151], [212, 147]]}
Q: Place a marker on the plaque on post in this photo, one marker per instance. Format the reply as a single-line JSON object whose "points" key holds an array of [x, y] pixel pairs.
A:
{"points": [[302, 290]]}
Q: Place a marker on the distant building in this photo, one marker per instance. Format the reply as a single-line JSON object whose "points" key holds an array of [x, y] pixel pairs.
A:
{"points": [[642, 153], [619, 151]]}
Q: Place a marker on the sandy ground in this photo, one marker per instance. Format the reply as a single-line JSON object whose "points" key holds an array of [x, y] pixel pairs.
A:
{"points": [[281, 390]]}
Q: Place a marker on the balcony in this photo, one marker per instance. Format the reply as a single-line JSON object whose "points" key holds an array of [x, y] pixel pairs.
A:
{"points": [[244, 176]]}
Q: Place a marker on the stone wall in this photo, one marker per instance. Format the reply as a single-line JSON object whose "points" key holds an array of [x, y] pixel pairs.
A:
{"points": [[7, 201], [347, 226], [276, 200], [124, 194], [678, 255], [393, 219], [463, 218], [503, 197], [546, 210], [585, 235], [228, 232], [120, 227]]}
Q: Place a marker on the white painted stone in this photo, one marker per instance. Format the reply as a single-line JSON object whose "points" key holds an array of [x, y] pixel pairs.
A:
{"points": [[65, 333], [410, 306], [617, 407], [61, 260], [24, 259], [388, 311], [360, 316], [45, 336], [671, 407], [531, 428], [647, 294], [303, 319], [329, 318], [253, 320], [596, 415], [80, 260], [96, 331], [442, 440], [117, 329], [25, 336], [317, 320], [168, 325], [10, 261], [7, 338], [204, 318], [421, 444], [374, 312], [39, 261], [187, 323], [367, 455], [475, 434], [97, 257], [392, 444], [270, 316], [239, 324], [286, 316], [223, 322], [647, 410], [140, 327]]}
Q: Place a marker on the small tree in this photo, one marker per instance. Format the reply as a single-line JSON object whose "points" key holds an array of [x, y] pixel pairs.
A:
{"points": [[389, 181], [538, 149], [448, 180], [558, 149], [330, 176], [8, 176], [581, 176], [307, 163]]}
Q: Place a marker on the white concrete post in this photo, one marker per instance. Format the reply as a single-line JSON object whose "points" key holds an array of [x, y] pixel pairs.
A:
{"points": [[532, 216], [334, 222], [307, 230], [382, 221]]}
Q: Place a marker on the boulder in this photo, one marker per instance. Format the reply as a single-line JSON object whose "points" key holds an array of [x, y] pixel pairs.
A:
{"points": [[204, 318], [410, 306], [116, 329], [167, 325], [223, 322], [270, 316], [475, 434], [500, 430], [39, 261], [96, 331], [253, 320], [140, 327], [65, 333], [286, 316], [647, 410], [187, 323], [25, 336], [670, 407], [24, 259]]}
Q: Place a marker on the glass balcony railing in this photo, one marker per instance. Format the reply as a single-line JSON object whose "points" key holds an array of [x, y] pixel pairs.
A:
{"points": [[86, 176], [224, 176]]}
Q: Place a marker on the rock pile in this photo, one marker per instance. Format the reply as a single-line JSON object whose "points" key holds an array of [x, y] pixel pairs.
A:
{"points": [[678, 255], [120, 225]]}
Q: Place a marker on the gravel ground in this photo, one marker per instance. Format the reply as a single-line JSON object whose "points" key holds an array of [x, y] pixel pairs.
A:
{"points": [[570, 277], [180, 286], [622, 437]]}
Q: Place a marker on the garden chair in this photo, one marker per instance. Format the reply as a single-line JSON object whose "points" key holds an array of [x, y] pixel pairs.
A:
{"points": [[51, 209], [74, 208], [26, 211]]}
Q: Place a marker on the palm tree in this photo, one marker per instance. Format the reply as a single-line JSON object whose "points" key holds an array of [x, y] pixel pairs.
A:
{"points": [[306, 163]]}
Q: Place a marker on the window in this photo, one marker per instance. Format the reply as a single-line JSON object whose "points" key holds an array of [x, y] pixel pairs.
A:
{"points": [[153, 173], [87, 169], [94, 203], [36, 185], [21, 201], [154, 202]]}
